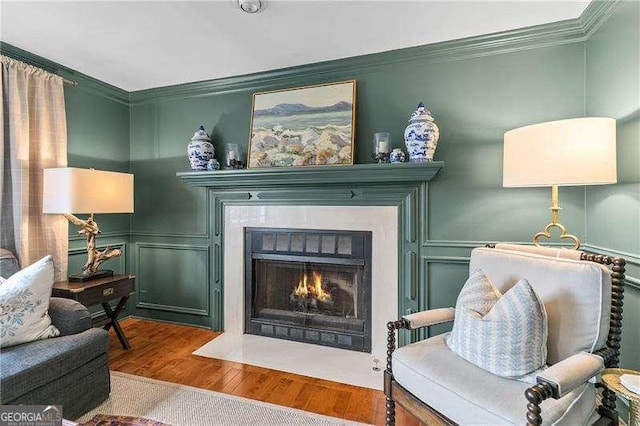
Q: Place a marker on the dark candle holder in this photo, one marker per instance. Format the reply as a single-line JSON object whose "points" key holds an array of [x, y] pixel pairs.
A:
{"points": [[380, 157], [233, 153], [381, 147], [236, 164]]}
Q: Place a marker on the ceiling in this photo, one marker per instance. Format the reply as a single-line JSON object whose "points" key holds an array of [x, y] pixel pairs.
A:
{"points": [[138, 45]]}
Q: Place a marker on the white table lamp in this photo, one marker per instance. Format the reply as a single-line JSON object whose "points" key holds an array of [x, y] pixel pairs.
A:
{"points": [[579, 151], [70, 190]]}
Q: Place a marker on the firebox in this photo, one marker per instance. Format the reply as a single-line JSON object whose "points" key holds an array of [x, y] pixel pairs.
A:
{"points": [[309, 285]]}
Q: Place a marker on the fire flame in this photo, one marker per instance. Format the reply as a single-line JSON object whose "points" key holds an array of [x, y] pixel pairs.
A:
{"points": [[314, 289]]}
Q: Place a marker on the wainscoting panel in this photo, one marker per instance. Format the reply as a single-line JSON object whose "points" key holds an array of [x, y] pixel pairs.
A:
{"points": [[173, 278], [446, 275], [630, 334]]}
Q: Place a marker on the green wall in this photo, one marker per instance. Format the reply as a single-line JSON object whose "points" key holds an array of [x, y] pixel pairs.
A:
{"points": [[98, 137], [613, 211], [474, 97], [476, 89], [473, 100]]}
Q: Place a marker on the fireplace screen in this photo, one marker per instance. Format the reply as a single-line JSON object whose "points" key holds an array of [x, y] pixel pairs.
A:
{"points": [[309, 285]]}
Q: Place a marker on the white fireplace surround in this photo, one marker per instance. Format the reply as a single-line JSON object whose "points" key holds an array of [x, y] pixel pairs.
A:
{"points": [[302, 358]]}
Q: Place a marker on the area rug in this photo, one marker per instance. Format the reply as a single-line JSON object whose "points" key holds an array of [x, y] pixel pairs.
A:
{"points": [[185, 406], [109, 420]]}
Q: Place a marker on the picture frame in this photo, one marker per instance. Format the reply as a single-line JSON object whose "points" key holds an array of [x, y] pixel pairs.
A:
{"points": [[303, 126]]}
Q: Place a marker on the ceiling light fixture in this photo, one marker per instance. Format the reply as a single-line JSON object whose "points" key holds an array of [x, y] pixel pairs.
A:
{"points": [[250, 6]]}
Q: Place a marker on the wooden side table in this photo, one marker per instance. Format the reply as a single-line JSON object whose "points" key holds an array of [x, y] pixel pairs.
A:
{"points": [[101, 290], [611, 379]]}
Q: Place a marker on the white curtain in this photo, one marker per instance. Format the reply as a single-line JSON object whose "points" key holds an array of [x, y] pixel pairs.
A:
{"points": [[34, 137]]}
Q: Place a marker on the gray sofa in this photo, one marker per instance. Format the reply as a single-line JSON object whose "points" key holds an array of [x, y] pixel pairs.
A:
{"points": [[71, 370]]}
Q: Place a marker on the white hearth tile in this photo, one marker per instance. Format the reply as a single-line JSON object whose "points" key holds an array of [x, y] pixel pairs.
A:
{"points": [[338, 365]]}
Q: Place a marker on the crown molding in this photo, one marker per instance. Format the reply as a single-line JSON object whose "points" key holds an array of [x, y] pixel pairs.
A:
{"points": [[555, 33], [551, 34], [85, 82], [596, 13]]}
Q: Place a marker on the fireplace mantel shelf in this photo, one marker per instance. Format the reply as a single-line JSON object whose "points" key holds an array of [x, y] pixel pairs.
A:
{"points": [[357, 173]]}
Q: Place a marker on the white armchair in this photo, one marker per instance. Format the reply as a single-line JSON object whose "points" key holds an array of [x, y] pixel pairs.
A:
{"points": [[583, 301]]}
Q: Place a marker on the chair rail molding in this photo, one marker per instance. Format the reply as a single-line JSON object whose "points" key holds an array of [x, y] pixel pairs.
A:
{"points": [[632, 275], [103, 235]]}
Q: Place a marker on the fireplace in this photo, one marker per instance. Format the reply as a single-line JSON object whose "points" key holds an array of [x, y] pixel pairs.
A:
{"points": [[309, 285]]}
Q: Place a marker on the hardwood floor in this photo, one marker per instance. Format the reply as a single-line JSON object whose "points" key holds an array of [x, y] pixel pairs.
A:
{"points": [[163, 351]]}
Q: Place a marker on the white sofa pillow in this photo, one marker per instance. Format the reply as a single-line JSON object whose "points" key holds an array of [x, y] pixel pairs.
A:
{"points": [[503, 334], [24, 305]]}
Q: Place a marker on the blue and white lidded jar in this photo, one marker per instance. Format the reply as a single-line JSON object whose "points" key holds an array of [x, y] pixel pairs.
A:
{"points": [[397, 156], [200, 150], [421, 136], [213, 164]]}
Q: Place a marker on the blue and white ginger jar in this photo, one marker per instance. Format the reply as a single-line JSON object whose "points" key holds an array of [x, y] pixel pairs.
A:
{"points": [[213, 164], [200, 150], [421, 136], [397, 156]]}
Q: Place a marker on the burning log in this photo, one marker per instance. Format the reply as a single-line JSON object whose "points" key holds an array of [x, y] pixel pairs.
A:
{"points": [[310, 295], [309, 304]]}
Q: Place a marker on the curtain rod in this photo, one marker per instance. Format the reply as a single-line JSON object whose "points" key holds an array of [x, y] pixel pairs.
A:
{"points": [[64, 80], [69, 82]]}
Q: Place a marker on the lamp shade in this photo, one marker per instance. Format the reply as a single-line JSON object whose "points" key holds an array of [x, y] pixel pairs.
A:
{"points": [[73, 190], [578, 151]]}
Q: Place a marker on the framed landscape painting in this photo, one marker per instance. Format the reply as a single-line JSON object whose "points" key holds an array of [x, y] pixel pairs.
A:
{"points": [[303, 126]]}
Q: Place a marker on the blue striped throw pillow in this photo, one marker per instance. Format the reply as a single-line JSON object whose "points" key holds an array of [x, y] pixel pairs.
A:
{"points": [[503, 334]]}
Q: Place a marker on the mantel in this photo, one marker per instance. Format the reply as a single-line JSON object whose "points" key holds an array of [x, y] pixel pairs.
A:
{"points": [[357, 173], [389, 185]]}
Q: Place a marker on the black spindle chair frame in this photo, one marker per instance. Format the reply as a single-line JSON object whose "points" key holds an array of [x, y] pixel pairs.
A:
{"points": [[536, 394]]}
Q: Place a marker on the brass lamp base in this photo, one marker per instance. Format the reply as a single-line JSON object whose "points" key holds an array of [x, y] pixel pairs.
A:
{"points": [[555, 214], [81, 278]]}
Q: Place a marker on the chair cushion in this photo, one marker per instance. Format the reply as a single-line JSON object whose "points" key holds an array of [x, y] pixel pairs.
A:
{"points": [[24, 301], [69, 316], [470, 395], [8, 263], [28, 366], [503, 334], [576, 295]]}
